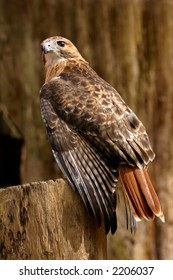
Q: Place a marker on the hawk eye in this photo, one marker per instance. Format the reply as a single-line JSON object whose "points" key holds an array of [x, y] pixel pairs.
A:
{"points": [[61, 43]]}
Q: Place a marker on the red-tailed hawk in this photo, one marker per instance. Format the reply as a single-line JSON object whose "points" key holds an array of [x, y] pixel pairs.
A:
{"points": [[95, 137]]}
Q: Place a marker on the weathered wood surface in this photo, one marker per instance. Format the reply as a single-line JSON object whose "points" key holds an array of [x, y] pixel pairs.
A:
{"points": [[47, 220]]}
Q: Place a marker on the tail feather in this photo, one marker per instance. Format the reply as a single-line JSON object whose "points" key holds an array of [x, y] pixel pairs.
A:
{"points": [[142, 197]]}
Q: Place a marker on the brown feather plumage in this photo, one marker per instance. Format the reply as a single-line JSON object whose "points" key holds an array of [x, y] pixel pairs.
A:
{"points": [[140, 191], [95, 136]]}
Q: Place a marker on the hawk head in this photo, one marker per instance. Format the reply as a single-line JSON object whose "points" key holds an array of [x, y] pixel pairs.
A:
{"points": [[57, 49]]}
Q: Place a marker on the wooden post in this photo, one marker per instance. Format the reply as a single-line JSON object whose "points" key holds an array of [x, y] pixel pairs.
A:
{"points": [[47, 220]]}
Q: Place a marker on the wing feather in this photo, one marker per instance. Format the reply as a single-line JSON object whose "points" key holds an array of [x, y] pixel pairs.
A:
{"points": [[83, 168], [90, 105], [92, 133]]}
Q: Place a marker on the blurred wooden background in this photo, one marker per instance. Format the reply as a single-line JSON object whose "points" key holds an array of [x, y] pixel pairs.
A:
{"points": [[130, 44]]}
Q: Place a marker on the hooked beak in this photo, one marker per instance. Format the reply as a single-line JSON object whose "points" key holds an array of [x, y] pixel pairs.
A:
{"points": [[45, 47]]}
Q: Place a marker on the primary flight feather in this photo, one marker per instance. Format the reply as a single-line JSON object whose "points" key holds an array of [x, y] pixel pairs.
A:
{"points": [[95, 137]]}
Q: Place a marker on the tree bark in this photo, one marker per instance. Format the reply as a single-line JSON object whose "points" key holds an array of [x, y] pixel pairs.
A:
{"points": [[47, 220]]}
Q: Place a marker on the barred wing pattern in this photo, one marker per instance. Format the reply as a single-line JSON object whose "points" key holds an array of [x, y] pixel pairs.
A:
{"points": [[95, 137]]}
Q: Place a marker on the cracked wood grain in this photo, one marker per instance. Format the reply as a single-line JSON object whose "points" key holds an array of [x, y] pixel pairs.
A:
{"points": [[47, 220]]}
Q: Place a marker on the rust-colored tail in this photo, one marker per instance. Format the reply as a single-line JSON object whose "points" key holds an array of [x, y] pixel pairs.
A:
{"points": [[142, 197]]}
